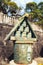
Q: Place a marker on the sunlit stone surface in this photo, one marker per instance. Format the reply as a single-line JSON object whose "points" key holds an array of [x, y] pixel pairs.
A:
{"points": [[29, 35], [13, 63], [21, 28], [22, 53], [27, 29], [18, 34], [24, 24], [24, 34]]}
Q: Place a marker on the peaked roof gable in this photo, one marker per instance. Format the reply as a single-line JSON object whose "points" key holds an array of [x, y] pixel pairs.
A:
{"points": [[22, 29]]}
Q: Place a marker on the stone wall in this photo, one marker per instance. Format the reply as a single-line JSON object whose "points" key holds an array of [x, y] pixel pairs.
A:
{"points": [[7, 20]]}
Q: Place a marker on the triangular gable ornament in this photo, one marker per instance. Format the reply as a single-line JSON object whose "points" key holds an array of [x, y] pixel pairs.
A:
{"points": [[22, 29]]}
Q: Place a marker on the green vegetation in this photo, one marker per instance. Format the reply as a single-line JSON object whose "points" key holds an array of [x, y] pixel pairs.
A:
{"points": [[31, 6], [8, 6], [35, 12]]}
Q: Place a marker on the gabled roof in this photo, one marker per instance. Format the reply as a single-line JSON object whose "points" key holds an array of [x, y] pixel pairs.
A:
{"points": [[22, 31]]}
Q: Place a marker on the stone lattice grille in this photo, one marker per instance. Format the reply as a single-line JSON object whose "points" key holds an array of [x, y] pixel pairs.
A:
{"points": [[23, 31]]}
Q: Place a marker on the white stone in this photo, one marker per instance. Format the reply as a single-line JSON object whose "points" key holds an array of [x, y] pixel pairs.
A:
{"points": [[29, 35], [21, 28], [28, 57], [24, 34], [29, 49], [24, 24], [18, 34], [23, 46], [27, 29]]}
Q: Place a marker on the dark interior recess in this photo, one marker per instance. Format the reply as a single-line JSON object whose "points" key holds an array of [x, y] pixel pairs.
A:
{"points": [[41, 52], [11, 57]]}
